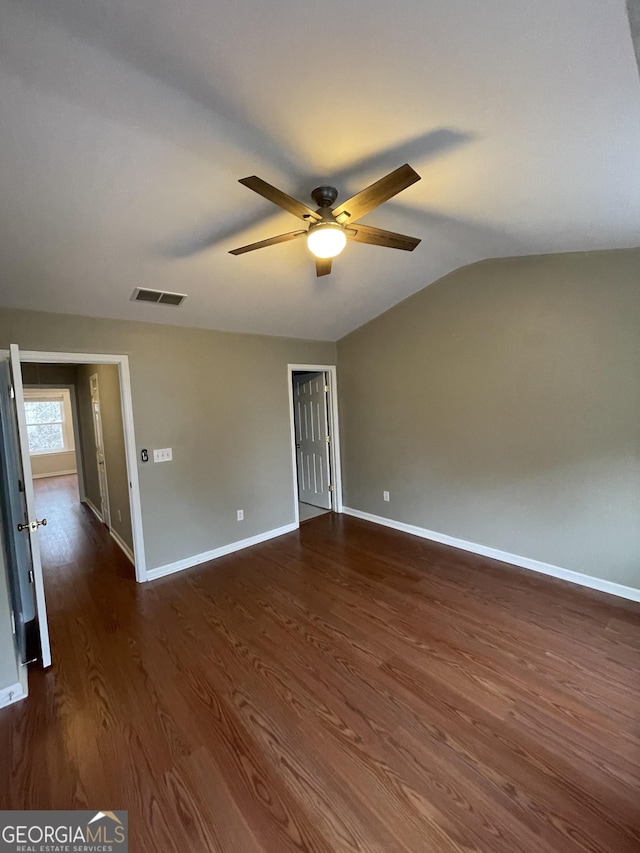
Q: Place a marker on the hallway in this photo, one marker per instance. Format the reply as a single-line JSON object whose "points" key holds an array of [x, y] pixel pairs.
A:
{"points": [[74, 545]]}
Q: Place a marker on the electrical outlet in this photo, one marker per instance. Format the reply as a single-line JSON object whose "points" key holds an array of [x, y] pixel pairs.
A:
{"points": [[163, 455], [240, 515], [385, 496]]}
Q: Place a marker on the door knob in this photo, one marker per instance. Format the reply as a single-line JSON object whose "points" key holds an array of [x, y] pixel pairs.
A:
{"points": [[32, 525]]}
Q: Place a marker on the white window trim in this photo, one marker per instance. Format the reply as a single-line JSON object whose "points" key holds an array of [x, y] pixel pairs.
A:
{"points": [[36, 395]]}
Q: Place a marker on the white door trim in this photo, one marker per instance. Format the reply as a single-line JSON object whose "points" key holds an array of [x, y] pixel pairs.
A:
{"points": [[129, 434], [336, 470], [103, 479]]}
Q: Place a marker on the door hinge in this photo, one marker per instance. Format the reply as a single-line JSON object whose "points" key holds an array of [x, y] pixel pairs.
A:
{"points": [[12, 393], [31, 576], [330, 488], [328, 438], [326, 388]]}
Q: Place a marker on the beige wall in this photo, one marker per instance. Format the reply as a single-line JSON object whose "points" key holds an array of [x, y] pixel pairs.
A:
{"points": [[501, 405], [114, 449], [220, 400], [48, 374], [53, 464]]}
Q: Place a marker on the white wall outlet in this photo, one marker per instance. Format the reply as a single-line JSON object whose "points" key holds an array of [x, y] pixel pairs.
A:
{"points": [[240, 514], [385, 496], [165, 454]]}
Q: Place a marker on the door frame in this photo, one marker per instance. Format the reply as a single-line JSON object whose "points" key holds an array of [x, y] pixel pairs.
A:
{"points": [[126, 403], [103, 479], [334, 426]]}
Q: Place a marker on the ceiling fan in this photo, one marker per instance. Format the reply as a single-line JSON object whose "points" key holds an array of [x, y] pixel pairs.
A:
{"points": [[330, 228]]}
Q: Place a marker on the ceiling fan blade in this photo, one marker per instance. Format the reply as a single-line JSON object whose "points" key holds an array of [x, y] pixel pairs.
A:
{"points": [[272, 241], [379, 237], [323, 266], [376, 194], [281, 199]]}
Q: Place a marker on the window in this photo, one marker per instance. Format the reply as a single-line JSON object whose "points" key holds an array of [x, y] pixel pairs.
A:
{"points": [[48, 415]]}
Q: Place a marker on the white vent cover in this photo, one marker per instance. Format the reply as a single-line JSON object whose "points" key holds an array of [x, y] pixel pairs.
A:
{"points": [[159, 297]]}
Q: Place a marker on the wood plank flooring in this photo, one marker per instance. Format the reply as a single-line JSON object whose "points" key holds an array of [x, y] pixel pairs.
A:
{"points": [[341, 688]]}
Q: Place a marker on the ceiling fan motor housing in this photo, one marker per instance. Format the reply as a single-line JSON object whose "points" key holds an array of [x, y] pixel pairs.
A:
{"points": [[324, 196]]}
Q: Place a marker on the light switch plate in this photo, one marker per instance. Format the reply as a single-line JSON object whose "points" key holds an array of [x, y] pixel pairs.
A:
{"points": [[165, 454]]}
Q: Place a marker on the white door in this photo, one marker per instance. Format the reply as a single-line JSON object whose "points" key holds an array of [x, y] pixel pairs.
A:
{"points": [[13, 512], [310, 401], [28, 527], [105, 512]]}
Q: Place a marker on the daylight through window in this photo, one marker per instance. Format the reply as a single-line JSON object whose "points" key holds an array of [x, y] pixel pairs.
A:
{"points": [[48, 421]]}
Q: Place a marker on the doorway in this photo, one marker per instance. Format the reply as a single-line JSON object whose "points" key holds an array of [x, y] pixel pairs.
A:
{"points": [[117, 387], [315, 440], [76, 459], [26, 517]]}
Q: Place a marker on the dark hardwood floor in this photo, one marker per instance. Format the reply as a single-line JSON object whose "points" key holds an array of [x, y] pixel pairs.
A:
{"points": [[341, 688]]}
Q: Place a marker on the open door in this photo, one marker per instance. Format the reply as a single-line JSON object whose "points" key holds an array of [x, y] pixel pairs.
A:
{"points": [[312, 439], [20, 508], [13, 512]]}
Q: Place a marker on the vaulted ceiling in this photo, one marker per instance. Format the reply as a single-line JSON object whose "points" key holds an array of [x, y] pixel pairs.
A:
{"points": [[126, 124]]}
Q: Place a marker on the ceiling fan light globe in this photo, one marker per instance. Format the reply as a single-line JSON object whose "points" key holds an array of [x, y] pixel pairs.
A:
{"points": [[326, 241]]}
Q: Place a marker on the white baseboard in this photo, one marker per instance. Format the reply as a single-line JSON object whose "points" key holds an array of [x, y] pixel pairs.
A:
{"points": [[18, 691], [115, 536], [54, 474], [122, 545], [197, 559], [93, 509], [12, 693], [618, 589]]}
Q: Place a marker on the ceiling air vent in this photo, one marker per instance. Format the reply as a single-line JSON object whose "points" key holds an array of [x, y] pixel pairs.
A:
{"points": [[160, 297]]}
